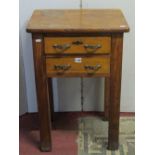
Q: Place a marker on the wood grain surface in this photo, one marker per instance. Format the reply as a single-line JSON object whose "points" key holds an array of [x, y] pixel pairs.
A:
{"points": [[115, 91], [78, 69], [42, 93], [83, 20], [77, 45]]}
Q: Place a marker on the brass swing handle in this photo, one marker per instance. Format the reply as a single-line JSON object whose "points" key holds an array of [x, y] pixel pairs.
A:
{"points": [[62, 68], [91, 48], [61, 48], [92, 69]]}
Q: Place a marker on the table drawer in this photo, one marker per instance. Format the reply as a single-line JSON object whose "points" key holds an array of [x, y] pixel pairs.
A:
{"points": [[77, 45], [76, 66]]}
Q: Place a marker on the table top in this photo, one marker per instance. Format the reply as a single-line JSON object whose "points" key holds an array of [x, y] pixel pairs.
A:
{"points": [[83, 20]]}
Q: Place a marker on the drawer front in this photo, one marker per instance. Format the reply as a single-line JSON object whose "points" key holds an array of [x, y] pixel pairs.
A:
{"points": [[76, 66], [77, 45]]}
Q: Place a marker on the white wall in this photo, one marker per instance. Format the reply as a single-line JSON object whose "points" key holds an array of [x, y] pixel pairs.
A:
{"points": [[26, 9], [70, 88], [23, 107], [128, 72]]}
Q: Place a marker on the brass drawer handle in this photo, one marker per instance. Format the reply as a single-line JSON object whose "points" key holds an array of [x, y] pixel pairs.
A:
{"points": [[62, 68], [92, 48], [92, 69], [61, 48]]}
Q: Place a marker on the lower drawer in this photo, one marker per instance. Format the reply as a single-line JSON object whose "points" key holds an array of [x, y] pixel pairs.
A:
{"points": [[78, 66]]}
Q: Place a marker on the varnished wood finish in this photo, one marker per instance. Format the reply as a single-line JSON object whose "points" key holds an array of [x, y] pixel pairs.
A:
{"points": [[78, 69], [57, 27], [106, 98], [115, 91], [42, 94], [77, 45], [89, 20]]}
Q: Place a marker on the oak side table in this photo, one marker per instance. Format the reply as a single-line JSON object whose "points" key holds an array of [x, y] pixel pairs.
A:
{"points": [[78, 43]]}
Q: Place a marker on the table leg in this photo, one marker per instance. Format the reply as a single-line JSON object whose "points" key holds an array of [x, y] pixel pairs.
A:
{"points": [[115, 90], [42, 93], [106, 98]]}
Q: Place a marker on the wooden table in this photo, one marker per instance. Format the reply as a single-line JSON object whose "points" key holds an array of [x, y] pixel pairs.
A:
{"points": [[78, 43]]}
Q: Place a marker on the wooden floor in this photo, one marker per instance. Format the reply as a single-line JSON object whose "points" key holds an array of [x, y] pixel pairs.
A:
{"points": [[64, 134]]}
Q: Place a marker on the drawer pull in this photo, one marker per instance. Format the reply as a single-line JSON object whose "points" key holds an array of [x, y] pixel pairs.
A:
{"points": [[92, 69], [92, 48], [62, 68], [61, 48]]}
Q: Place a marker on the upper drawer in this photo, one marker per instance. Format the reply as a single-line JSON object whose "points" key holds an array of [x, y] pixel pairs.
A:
{"points": [[77, 45]]}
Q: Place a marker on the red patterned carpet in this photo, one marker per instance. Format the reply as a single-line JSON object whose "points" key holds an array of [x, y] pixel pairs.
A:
{"points": [[64, 134], [64, 141]]}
